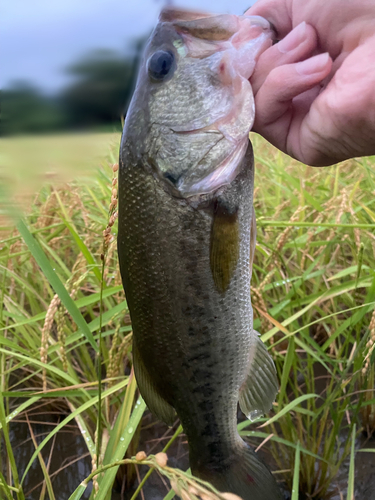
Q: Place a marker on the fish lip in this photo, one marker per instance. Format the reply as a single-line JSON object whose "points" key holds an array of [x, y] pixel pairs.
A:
{"points": [[170, 14]]}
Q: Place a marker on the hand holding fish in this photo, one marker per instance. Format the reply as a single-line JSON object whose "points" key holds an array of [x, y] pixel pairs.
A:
{"points": [[314, 90]]}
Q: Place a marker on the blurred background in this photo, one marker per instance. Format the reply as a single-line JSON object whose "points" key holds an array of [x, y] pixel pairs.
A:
{"points": [[71, 65], [68, 73]]}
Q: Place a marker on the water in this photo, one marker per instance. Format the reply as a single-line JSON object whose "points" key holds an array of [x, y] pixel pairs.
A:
{"points": [[70, 462], [364, 472]]}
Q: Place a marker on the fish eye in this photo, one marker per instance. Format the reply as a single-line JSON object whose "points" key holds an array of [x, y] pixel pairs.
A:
{"points": [[161, 64]]}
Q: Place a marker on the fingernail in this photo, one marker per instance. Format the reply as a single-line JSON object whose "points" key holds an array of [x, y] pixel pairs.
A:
{"points": [[293, 39], [313, 65]]}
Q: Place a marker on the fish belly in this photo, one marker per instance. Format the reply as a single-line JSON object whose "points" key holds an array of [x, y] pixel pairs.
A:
{"points": [[194, 340]]}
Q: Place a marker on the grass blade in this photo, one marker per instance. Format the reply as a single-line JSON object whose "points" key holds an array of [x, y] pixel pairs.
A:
{"points": [[295, 488], [4, 487], [8, 446], [350, 493], [55, 282], [80, 409], [110, 474], [288, 408]]}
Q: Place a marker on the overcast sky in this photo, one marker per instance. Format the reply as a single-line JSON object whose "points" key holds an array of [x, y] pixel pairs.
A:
{"points": [[39, 38]]}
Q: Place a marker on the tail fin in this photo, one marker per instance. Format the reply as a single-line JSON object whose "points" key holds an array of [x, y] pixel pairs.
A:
{"points": [[244, 474]]}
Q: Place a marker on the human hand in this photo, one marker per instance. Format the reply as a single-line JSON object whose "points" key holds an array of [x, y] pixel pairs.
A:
{"points": [[321, 110]]}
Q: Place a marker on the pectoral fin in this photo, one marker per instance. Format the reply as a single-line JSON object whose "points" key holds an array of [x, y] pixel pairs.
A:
{"points": [[225, 244], [156, 404], [259, 390]]}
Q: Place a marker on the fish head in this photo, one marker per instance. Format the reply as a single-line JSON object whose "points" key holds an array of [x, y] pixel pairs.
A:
{"points": [[193, 106]]}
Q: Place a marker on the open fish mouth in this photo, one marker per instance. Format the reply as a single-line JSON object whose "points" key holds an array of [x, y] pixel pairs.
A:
{"points": [[225, 47], [243, 38]]}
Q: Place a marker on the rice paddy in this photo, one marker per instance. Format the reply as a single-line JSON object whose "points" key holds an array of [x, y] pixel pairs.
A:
{"points": [[65, 336]]}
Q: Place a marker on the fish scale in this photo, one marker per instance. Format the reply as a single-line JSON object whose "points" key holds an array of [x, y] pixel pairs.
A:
{"points": [[196, 306], [185, 260]]}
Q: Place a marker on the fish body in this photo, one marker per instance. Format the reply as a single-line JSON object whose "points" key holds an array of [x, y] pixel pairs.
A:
{"points": [[187, 237]]}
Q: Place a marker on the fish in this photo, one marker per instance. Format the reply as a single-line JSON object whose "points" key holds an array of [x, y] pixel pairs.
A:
{"points": [[186, 240]]}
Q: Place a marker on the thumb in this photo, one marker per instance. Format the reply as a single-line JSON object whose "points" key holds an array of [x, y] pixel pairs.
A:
{"points": [[277, 12]]}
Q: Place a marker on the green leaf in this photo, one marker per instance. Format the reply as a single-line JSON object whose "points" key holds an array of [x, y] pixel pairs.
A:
{"points": [[37, 362], [85, 251], [55, 282], [92, 402], [121, 420], [82, 302], [288, 408], [286, 368], [283, 441], [295, 487], [124, 441], [77, 494], [4, 486], [20, 408], [350, 492]]}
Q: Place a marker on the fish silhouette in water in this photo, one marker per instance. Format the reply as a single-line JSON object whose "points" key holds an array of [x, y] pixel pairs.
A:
{"points": [[187, 236]]}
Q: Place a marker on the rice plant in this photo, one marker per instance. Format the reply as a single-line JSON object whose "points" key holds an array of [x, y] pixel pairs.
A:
{"points": [[65, 334]]}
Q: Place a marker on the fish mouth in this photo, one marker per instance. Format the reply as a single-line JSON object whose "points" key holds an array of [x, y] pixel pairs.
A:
{"points": [[239, 40], [208, 26], [183, 130], [244, 37]]}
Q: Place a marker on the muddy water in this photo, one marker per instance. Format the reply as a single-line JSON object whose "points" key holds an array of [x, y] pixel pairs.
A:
{"points": [[364, 472], [70, 462], [68, 448]]}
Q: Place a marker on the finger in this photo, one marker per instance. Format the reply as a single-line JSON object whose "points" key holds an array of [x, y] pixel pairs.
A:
{"points": [[297, 45], [286, 82], [295, 144], [285, 133], [275, 11], [274, 100]]}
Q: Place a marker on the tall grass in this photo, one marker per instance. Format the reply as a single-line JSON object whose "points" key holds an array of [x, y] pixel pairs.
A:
{"points": [[313, 291]]}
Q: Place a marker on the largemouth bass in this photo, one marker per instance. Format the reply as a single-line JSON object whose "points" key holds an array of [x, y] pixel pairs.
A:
{"points": [[186, 241]]}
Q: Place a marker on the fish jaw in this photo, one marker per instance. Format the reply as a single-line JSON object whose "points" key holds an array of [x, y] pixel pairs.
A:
{"points": [[229, 45]]}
